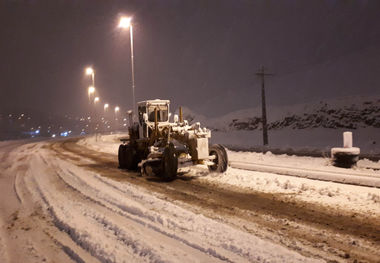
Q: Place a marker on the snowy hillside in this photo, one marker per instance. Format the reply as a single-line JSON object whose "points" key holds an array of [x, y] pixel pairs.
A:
{"points": [[350, 113], [315, 125]]}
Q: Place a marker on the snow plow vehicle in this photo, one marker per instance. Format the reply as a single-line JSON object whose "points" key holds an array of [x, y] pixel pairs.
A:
{"points": [[156, 145]]}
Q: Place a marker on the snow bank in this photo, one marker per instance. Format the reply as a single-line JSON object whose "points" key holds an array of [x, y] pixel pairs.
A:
{"points": [[349, 198]]}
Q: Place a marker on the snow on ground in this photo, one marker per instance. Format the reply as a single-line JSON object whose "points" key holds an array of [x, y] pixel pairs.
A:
{"points": [[121, 222], [101, 143], [351, 198]]}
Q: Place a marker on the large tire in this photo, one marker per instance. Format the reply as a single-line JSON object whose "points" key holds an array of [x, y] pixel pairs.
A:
{"points": [[130, 158], [221, 159], [121, 156], [345, 160], [169, 163]]}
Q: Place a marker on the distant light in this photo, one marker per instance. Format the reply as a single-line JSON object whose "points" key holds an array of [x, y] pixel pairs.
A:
{"points": [[125, 22], [117, 109], [53, 136], [89, 71], [91, 89], [96, 99], [106, 106], [37, 132]]}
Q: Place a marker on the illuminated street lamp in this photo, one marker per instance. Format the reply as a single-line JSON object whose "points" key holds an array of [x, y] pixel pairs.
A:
{"points": [[91, 91], [125, 23], [90, 71], [117, 109], [106, 106], [96, 100]]}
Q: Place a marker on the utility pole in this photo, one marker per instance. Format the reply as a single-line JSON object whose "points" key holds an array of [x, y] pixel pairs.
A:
{"points": [[261, 73]]}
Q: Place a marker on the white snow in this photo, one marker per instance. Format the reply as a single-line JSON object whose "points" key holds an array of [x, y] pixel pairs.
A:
{"points": [[348, 150], [121, 222], [118, 222], [352, 198]]}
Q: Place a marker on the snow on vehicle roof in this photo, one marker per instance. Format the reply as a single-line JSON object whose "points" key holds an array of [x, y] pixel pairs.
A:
{"points": [[156, 101]]}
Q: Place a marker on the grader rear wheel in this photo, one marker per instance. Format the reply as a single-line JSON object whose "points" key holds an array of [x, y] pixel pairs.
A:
{"points": [[169, 163], [221, 159]]}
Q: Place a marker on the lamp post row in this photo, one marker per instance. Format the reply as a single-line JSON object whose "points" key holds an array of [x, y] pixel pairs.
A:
{"points": [[124, 23], [91, 90]]}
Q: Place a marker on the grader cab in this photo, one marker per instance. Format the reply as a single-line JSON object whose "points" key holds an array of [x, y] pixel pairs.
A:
{"points": [[157, 145]]}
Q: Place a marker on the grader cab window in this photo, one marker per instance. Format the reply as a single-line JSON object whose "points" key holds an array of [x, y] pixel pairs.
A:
{"points": [[162, 113], [142, 110]]}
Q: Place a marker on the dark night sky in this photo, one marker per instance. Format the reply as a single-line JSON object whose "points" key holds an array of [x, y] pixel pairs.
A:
{"points": [[200, 53]]}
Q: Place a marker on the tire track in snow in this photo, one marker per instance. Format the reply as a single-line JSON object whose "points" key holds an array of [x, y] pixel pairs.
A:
{"points": [[234, 250], [335, 224], [72, 232], [76, 236], [138, 213]]}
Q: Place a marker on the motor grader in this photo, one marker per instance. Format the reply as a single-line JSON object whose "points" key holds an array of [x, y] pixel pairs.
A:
{"points": [[156, 146]]}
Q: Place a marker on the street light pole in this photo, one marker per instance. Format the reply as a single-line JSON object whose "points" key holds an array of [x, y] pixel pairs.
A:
{"points": [[133, 67], [96, 119], [90, 71], [93, 78], [125, 22], [91, 89], [117, 109]]}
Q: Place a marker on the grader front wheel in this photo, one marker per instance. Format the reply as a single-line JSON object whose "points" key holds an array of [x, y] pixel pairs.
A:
{"points": [[220, 158], [169, 163]]}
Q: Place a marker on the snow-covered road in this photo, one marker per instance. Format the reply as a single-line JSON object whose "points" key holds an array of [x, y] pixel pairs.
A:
{"points": [[67, 202]]}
